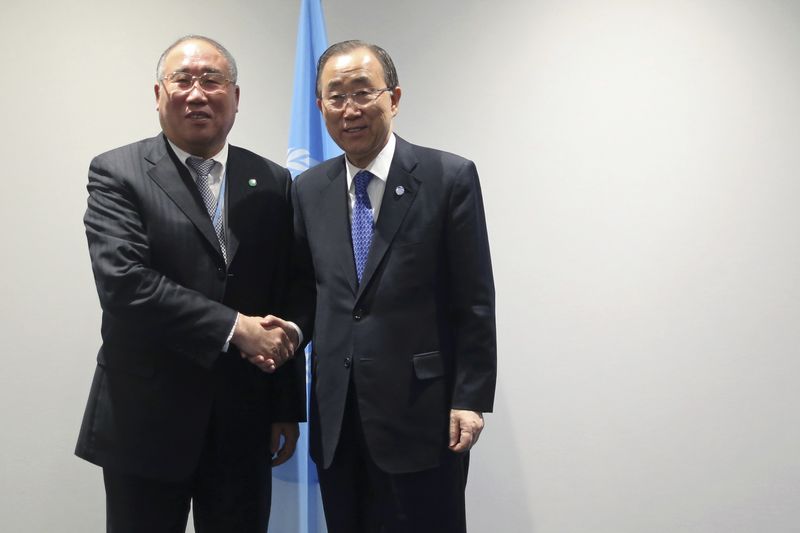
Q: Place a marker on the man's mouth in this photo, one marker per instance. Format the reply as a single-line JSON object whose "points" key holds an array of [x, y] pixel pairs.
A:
{"points": [[354, 129], [197, 115]]}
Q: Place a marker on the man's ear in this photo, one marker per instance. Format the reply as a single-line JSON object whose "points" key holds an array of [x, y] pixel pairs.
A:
{"points": [[395, 96]]}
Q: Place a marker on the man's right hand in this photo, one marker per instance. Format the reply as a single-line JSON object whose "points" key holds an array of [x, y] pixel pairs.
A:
{"points": [[266, 347]]}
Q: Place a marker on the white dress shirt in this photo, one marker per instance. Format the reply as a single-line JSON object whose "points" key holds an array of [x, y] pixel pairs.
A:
{"points": [[379, 167]]}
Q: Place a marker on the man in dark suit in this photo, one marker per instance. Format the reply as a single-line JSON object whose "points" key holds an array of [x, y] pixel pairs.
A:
{"points": [[393, 236], [189, 239]]}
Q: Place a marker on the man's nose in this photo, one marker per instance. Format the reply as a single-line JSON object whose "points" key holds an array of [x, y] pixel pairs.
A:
{"points": [[196, 94], [351, 109]]}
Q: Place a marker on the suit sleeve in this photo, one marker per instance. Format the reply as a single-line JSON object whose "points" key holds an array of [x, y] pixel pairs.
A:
{"points": [[289, 394], [471, 294], [302, 286], [133, 294]]}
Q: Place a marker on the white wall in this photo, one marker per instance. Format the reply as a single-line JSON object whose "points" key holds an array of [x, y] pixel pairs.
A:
{"points": [[639, 164]]}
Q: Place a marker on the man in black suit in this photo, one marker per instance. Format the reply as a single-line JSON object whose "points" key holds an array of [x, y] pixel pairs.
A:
{"points": [[394, 242], [189, 239]]}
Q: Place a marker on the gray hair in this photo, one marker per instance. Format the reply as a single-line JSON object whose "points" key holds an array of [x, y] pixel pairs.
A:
{"points": [[389, 71], [233, 73]]}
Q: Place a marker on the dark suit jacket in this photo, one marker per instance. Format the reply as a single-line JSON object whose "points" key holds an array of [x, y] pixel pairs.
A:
{"points": [[169, 303], [418, 334]]}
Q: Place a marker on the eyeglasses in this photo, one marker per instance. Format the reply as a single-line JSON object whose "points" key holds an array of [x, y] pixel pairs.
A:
{"points": [[360, 98], [183, 82]]}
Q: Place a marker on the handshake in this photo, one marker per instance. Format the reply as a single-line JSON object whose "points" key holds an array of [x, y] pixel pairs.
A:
{"points": [[266, 342]]}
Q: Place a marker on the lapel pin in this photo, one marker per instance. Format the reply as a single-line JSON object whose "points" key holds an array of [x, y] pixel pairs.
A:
{"points": [[252, 182], [400, 190]]}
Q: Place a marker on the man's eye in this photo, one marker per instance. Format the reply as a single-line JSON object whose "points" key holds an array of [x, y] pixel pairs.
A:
{"points": [[363, 93], [181, 80]]}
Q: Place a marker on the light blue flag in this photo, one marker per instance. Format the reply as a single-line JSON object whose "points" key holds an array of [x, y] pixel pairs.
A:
{"points": [[296, 503], [309, 142]]}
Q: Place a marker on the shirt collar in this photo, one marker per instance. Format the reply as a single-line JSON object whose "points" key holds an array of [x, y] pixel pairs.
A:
{"points": [[221, 158], [379, 167]]}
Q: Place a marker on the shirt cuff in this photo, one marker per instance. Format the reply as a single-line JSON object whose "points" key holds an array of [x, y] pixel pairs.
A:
{"points": [[230, 335], [299, 333]]}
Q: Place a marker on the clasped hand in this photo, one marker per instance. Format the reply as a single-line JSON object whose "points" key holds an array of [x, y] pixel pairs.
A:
{"points": [[267, 342]]}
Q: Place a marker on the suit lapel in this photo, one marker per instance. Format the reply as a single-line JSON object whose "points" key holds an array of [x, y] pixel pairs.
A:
{"points": [[333, 207], [177, 183], [394, 207]]}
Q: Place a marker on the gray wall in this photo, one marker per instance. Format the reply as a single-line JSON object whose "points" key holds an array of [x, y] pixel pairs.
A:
{"points": [[639, 165]]}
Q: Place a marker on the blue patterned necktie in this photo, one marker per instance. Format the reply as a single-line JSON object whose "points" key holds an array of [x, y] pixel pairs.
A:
{"points": [[361, 228], [203, 169]]}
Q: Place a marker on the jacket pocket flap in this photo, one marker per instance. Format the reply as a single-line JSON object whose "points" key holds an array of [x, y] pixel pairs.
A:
{"points": [[428, 365]]}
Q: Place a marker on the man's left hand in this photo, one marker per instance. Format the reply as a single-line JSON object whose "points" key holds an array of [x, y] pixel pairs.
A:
{"points": [[290, 431], [465, 428]]}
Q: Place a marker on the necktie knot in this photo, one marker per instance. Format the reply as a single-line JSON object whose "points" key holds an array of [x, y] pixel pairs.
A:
{"points": [[201, 166]]}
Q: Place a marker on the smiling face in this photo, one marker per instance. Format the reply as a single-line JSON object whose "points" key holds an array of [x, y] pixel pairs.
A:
{"points": [[195, 121], [361, 132]]}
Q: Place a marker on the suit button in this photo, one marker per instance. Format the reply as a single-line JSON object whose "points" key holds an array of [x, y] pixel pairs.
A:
{"points": [[358, 313], [347, 362], [221, 273]]}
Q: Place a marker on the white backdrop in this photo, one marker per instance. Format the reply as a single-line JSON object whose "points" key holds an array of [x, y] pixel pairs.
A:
{"points": [[639, 162]]}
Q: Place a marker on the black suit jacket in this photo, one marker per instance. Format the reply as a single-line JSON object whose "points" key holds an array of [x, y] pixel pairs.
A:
{"points": [[418, 333], [169, 302]]}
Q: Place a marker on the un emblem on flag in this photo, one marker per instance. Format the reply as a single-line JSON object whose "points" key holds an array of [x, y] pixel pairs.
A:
{"points": [[299, 160]]}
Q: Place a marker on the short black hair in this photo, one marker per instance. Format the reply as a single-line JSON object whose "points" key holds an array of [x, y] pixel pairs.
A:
{"points": [[389, 71]]}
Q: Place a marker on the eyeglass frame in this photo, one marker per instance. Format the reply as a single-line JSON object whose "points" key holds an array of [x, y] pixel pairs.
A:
{"points": [[351, 97], [195, 82]]}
